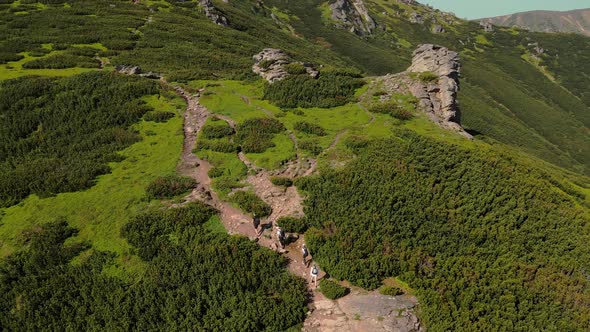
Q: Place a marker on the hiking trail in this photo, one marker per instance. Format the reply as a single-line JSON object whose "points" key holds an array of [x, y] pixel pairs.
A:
{"points": [[357, 312]]}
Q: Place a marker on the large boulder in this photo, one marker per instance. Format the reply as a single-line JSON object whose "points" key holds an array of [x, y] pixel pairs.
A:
{"points": [[128, 69], [271, 65]]}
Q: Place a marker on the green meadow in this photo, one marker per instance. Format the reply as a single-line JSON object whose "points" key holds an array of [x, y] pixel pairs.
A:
{"points": [[101, 211]]}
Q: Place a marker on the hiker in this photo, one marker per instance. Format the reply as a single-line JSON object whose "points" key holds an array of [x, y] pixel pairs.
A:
{"points": [[256, 222], [314, 275], [281, 237], [305, 254]]}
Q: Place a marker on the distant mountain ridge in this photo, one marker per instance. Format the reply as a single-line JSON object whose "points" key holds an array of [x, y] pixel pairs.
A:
{"points": [[577, 21]]}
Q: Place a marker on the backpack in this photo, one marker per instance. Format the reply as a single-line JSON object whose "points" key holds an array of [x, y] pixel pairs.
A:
{"points": [[305, 252], [281, 234], [314, 270]]}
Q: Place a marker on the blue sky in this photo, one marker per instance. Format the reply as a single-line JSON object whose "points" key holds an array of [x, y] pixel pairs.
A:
{"points": [[485, 8]]}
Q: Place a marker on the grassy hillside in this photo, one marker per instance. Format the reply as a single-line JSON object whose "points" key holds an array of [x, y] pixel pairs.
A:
{"points": [[488, 242], [546, 116], [491, 233], [176, 39]]}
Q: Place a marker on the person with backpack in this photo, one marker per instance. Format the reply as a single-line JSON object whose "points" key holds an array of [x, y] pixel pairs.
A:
{"points": [[281, 237], [256, 222], [314, 275], [305, 253]]}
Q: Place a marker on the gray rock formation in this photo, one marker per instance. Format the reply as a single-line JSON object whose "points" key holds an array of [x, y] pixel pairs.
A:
{"points": [[271, 62], [438, 98], [416, 18], [136, 70], [438, 29], [354, 16], [212, 13], [128, 70], [487, 26], [364, 311]]}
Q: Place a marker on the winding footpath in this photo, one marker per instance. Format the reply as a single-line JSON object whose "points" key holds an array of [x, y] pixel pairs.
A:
{"points": [[358, 312]]}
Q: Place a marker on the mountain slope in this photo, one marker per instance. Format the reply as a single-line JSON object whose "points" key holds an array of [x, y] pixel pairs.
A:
{"points": [[577, 21], [551, 110], [490, 233]]}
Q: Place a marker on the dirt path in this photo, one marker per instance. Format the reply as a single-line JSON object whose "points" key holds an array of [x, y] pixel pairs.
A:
{"points": [[284, 202], [358, 312], [368, 113]]}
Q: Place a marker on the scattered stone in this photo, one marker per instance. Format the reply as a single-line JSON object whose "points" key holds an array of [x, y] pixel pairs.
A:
{"points": [[539, 50], [151, 75]]}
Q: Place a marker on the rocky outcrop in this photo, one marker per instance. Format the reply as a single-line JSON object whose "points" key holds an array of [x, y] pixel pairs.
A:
{"points": [[438, 29], [136, 70], [213, 13], [437, 97], [271, 65], [354, 16], [486, 26], [128, 70], [364, 311], [416, 18]]}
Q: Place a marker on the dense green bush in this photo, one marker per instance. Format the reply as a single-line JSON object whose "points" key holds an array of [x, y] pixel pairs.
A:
{"points": [[390, 291], [194, 280], [217, 146], [392, 108], [158, 116], [312, 146], [217, 130], [427, 77], [281, 181], [255, 135], [486, 241], [47, 148], [329, 90], [216, 172], [295, 69], [6, 57], [293, 225], [60, 61], [309, 128], [249, 202], [226, 184], [170, 186], [332, 290]]}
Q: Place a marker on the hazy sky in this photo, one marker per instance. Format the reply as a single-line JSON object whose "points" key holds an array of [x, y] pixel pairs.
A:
{"points": [[485, 8]]}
